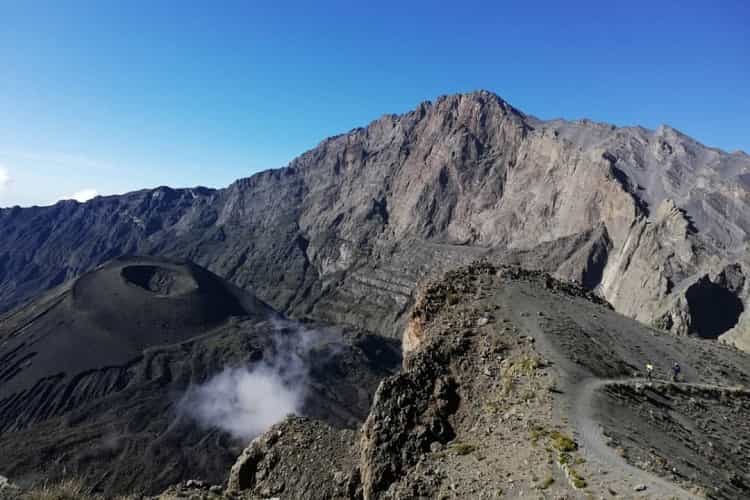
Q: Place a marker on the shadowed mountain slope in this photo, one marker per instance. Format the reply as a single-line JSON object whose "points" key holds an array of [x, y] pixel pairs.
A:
{"points": [[108, 317], [98, 376]]}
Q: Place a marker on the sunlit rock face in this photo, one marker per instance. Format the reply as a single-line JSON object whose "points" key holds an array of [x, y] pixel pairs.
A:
{"points": [[347, 230]]}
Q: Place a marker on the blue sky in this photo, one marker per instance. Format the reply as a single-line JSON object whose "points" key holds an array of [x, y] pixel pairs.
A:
{"points": [[112, 96]]}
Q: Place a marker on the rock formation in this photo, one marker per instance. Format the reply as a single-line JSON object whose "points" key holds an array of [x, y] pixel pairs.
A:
{"points": [[503, 392], [600, 224], [346, 231]]}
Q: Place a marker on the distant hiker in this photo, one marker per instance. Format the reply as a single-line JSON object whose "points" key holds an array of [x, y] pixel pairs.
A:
{"points": [[649, 371], [675, 372]]}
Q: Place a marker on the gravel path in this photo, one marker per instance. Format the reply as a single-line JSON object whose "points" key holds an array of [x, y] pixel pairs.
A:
{"points": [[596, 450]]}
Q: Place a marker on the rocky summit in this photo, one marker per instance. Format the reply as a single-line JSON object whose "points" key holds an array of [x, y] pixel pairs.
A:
{"points": [[456, 302], [651, 219]]}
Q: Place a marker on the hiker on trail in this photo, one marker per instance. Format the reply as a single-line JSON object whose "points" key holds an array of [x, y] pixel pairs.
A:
{"points": [[649, 371], [675, 372]]}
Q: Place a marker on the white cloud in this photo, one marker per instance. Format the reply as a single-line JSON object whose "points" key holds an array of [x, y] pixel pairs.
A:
{"points": [[83, 195], [4, 178], [245, 401]]}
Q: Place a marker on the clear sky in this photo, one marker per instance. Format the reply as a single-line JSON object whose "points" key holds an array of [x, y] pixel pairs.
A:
{"points": [[110, 96]]}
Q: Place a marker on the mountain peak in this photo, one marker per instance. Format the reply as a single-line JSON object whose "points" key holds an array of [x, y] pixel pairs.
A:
{"points": [[481, 97]]}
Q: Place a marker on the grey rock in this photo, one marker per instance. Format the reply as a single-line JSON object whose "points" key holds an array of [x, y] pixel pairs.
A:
{"points": [[305, 461], [432, 416], [5, 483], [362, 218]]}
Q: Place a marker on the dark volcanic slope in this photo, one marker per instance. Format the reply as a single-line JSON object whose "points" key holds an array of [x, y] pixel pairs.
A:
{"points": [[347, 230], [109, 316], [92, 373]]}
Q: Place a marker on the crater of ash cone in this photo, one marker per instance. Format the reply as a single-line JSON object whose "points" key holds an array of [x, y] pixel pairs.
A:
{"points": [[109, 316], [159, 280], [153, 300]]}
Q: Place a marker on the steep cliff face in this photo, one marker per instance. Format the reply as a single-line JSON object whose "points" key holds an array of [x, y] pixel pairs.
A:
{"points": [[346, 231]]}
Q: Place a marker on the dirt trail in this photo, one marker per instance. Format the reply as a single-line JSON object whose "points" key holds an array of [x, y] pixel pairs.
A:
{"points": [[595, 447], [592, 348]]}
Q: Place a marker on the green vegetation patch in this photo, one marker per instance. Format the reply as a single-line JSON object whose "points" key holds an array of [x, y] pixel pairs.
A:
{"points": [[528, 365], [564, 458], [525, 366], [536, 433], [577, 480], [563, 443]]}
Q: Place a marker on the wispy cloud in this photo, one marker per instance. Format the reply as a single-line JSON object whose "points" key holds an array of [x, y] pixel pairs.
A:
{"points": [[246, 400], [46, 177], [83, 195], [4, 178]]}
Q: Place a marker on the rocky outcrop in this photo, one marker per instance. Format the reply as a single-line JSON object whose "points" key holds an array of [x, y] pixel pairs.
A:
{"points": [[712, 305], [271, 465], [347, 231], [497, 387], [658, 254]]}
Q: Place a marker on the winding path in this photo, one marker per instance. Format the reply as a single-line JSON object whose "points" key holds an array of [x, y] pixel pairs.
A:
{"points": [[593, 443]]}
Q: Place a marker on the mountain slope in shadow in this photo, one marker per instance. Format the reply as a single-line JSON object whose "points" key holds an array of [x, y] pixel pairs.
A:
{"points": [[94, 374]]}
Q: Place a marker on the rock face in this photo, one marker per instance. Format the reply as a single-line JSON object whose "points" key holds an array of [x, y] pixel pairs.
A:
{"points": [[272, 466], [346, 231], [507, 376]]}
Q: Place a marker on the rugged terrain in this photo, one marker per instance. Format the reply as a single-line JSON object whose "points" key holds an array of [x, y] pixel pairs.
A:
{"points": [[651, 218], [610, 248], [515, 385], [94, 375]]}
